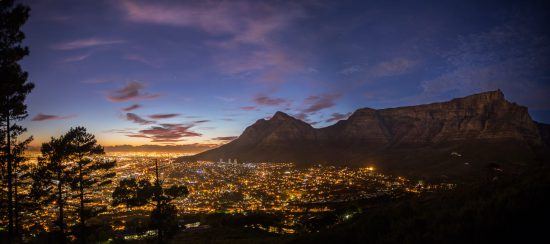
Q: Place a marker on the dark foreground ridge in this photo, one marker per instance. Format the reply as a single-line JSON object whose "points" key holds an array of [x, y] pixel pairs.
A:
{"points": [[444, 140]]}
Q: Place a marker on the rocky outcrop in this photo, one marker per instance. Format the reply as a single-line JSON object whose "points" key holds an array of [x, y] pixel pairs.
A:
{"points": [[482, 127], [480, 116]]}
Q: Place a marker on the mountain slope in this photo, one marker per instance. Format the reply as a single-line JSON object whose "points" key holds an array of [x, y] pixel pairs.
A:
{"points": [[446, 139]]}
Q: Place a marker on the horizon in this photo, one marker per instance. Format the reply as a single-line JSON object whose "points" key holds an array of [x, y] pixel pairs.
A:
{"points": [[146, 73]]}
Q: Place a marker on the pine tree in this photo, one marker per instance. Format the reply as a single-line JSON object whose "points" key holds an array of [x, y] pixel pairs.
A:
{"points": [[14, 88], [20, 180], [89, 172], [69, 168], [52, 178]]}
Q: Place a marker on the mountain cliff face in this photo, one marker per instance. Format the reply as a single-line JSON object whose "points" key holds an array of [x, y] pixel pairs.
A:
{"points": [[481, 128], [481, 116]]}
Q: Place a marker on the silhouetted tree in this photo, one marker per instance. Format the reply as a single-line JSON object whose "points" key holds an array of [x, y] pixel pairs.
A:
{"points": [[41, 190], [13, 88], [89, 172], [19, 176], [132, 193], [21, 201], [70, 164], [164, 215], [55, 174]]}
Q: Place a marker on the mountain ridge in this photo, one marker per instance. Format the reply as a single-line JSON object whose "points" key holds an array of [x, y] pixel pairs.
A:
{"points": [[484, 127]]}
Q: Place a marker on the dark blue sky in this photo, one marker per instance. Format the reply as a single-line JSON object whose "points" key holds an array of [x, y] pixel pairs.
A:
{"points": [[176, 72]]}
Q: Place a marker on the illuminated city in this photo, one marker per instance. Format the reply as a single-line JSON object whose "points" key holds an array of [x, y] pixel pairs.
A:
{"points": [[235, 187]]}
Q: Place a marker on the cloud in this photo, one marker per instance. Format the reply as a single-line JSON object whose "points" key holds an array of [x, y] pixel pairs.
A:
{"points": [[138, 120], [44, 117], [225, 138], [86, 43], [76, 58], [166, 133], [246, 22], [163, 116], [210, 17], [248, 108], [350, 70], [185, 148], [269, 101], [234, 27], [301, 116], [320, 102], [337, 116], [200, 121], [132, 107], [140, 59], [98, 80], [269, 64], [131, 91], [396, 66], [316, 103]]}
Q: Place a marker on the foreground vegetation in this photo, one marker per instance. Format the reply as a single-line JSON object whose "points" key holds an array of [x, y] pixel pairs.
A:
{"points": [[505, 209]]}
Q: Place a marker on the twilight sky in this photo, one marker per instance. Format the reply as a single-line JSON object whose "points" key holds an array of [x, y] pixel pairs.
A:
{"points": [[177, 72]]}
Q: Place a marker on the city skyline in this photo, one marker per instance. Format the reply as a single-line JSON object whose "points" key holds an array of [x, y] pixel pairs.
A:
{"points": [[171, 73]]}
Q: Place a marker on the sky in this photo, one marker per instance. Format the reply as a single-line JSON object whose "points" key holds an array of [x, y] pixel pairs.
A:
{"points": [[197, 73]]}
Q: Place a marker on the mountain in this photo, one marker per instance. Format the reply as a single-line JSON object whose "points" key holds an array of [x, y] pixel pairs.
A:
{"points": [[446, 139]]}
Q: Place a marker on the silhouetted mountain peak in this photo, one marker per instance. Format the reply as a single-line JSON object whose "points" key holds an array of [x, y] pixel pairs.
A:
{"points": [[281, 116]]}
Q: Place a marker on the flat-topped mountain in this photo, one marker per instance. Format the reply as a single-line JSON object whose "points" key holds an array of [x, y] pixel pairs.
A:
{"points": [[445, 138]]}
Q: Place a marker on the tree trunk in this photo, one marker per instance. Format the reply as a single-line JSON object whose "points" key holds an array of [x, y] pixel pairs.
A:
{"points": [[16, 205], [9, 176], [81, 213], [60, 206]]}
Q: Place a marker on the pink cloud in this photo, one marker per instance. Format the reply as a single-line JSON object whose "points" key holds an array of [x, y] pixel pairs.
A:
{"points": [[137, 119], [166, 133], [132, 91], [239, 23], [44, 117], [210, 17], [269, 101], [320, 102], [316, 103], [132, 107], [163, 116]]}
